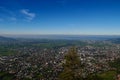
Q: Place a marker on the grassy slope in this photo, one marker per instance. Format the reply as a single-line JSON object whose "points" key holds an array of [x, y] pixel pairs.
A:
{"points": [[109, 75]]}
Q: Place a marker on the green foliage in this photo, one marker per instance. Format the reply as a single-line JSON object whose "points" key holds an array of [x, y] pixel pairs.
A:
{"points": [[72, 60], [10, 48], [26, 79], [109, 75], [57, 43], [72, 66], [100, 44], [6, 50], [116, 64], [94, 77], [6, 76]]}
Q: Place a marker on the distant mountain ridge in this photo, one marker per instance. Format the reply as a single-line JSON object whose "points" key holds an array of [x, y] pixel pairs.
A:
{"points": [[4, 39]]}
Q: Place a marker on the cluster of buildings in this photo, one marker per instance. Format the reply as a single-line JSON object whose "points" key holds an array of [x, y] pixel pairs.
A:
{"points": [[46, 64]]}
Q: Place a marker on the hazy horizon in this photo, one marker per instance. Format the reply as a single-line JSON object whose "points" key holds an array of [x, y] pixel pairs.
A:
{"points": [[64, 37]]}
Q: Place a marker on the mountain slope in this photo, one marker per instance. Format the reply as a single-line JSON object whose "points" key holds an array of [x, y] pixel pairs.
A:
{"points": [[6, 39]]}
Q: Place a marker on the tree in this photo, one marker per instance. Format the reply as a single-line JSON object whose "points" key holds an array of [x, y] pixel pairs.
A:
{"points": [[93, 77], [71, 66]]}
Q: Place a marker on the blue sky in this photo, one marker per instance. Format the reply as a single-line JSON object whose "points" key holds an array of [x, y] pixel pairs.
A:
{"points": [[71, 17]]}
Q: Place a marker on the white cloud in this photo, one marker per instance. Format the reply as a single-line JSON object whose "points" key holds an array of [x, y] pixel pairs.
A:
{"points": [[30, 16]]}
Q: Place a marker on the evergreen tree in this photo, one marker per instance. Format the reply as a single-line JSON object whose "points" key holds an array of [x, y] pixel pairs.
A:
{"points": [[72, 66]]}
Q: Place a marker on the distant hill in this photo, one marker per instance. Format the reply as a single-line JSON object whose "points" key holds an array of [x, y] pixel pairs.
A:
{"points": [[6, 39], [116, 40]]}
